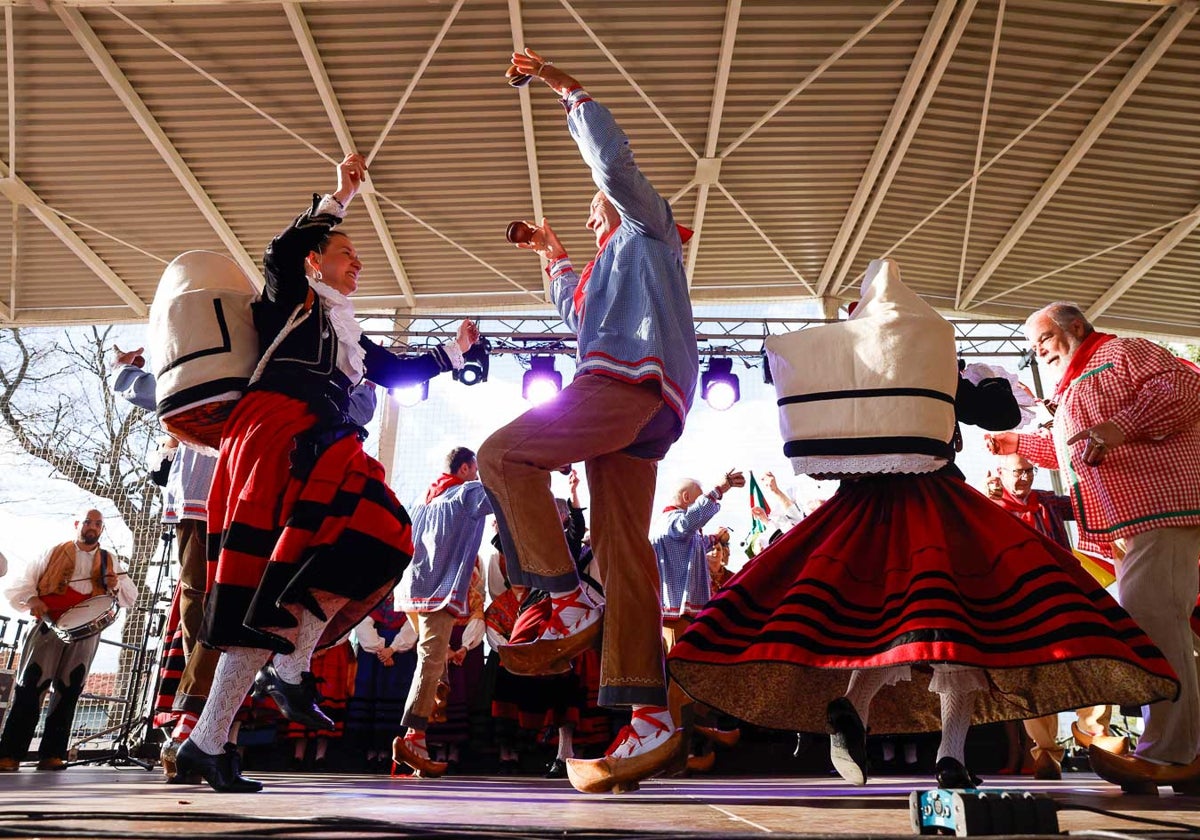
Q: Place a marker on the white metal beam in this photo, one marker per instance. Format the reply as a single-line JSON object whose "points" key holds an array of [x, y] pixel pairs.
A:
{"points": [[949, 45], [912, 81], [984, 109], [627, 77], [11, 66], [320, 78], [795, 272], [14, 259], [415, 79], [733, 11], [100, 56], [1171, 29], [531, 158], [811, 77], [1151, 258], [18, 192]]}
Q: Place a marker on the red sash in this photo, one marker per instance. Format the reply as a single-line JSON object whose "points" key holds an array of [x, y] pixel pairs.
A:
{"points": [[56, 605]]}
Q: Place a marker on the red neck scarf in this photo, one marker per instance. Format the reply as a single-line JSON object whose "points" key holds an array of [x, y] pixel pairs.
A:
{"points": [[1079, 361], [670, 508], [445, 482], [581, 289], [1014, 505]]}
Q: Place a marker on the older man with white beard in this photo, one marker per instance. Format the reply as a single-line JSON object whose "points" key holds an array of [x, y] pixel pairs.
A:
{"points": [[1126, 435]]}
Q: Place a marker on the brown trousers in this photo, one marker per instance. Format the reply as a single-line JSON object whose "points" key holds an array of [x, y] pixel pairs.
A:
{"points": [[593, 420], [200, 662], [1043, 731]]}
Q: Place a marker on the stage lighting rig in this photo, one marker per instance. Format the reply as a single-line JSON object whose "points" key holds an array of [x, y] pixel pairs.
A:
{"points": [[476, 363], [719, 384], [541, 382], [411, 395]]}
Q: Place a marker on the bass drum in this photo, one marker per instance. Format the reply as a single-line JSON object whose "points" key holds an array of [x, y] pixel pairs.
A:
{"points": [[203, 341]]}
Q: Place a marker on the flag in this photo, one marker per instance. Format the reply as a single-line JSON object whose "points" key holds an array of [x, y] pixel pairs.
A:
{"points": [[757, 499]]}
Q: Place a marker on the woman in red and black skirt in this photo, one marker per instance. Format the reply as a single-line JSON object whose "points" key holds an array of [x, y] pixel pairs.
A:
{"points": [[305, 536], [908, 602]]}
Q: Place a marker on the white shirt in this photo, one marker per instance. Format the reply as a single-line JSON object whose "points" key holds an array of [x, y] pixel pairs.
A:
{"points": [[25, 586]]}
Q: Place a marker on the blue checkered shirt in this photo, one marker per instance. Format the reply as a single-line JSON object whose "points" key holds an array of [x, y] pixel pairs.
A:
{"points": [[680, 549], [446, 536], [634, 323]]}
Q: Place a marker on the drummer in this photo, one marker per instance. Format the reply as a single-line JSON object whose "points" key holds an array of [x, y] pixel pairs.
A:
{"points": [[64, 577]]}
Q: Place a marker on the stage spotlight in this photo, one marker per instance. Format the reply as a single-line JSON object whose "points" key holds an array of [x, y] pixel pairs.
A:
{"points": [[476, 362], [541, 382], [719, 385], [768, 379], [410, 395]]}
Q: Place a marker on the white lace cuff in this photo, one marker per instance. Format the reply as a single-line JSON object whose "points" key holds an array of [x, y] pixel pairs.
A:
{"points": [[330, 206], [454, 354]]}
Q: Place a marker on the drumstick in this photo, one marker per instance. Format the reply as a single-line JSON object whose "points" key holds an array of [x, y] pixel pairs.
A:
{"points": [[82, 579]]}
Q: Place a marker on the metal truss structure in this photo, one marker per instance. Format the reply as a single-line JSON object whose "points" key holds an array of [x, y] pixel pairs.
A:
{"points": [[527, 335]]}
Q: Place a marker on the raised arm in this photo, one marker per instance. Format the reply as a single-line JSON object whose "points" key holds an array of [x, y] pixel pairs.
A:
{"points": [[605, 149], [385, 368], [130, 382], [283, 262]]}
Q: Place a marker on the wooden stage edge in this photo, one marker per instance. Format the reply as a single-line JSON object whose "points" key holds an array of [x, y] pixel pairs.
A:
{"points": [[101, 802]]}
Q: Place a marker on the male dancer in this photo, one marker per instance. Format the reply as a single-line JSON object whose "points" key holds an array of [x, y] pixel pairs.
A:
{"points": [[635, 377]]}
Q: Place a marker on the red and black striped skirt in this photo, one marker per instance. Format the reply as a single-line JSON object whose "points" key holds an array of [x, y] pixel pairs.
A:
{"points": [[914, 570], [275, 539]]}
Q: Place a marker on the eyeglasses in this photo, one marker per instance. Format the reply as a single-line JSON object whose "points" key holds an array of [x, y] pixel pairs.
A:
{"points": [[1029, 471]]}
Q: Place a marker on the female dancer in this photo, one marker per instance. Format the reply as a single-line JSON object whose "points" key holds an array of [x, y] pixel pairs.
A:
{"points": [[305, 536], [908, 601]]}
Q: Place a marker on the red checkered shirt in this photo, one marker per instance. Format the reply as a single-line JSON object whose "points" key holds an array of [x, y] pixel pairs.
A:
{"points": [[1153, 479]]}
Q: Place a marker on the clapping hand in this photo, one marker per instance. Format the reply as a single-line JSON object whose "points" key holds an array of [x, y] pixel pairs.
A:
{"points": [[1004, 443], [733, 478], [129, 357]]}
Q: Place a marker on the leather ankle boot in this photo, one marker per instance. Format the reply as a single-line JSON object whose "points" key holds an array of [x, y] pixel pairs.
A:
{"points": [[296, 701], [222, 772]]}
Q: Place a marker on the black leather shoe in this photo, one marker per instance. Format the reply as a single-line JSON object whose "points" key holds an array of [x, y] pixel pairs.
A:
{"points": [[847, 741], [296, 702], [557, 769], [952, 774], [222, 772]]}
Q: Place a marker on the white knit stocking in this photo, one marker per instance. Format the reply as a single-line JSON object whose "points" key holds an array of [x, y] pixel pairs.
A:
{"points": [[289, 666], [864, 685], [234, 676], [956, 720]]}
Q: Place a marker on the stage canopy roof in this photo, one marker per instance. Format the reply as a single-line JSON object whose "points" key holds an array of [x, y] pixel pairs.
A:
{"points": [[1005, 153]]}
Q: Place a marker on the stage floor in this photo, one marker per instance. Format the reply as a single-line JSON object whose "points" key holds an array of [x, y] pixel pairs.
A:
{"points": [[92, 802]]}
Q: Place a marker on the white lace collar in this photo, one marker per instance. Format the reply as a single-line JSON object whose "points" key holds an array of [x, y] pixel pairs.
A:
{"points": [[340, 311]]}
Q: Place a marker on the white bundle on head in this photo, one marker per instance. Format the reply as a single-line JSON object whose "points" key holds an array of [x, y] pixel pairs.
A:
{"points": [[204, 343], [873, 394]]}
